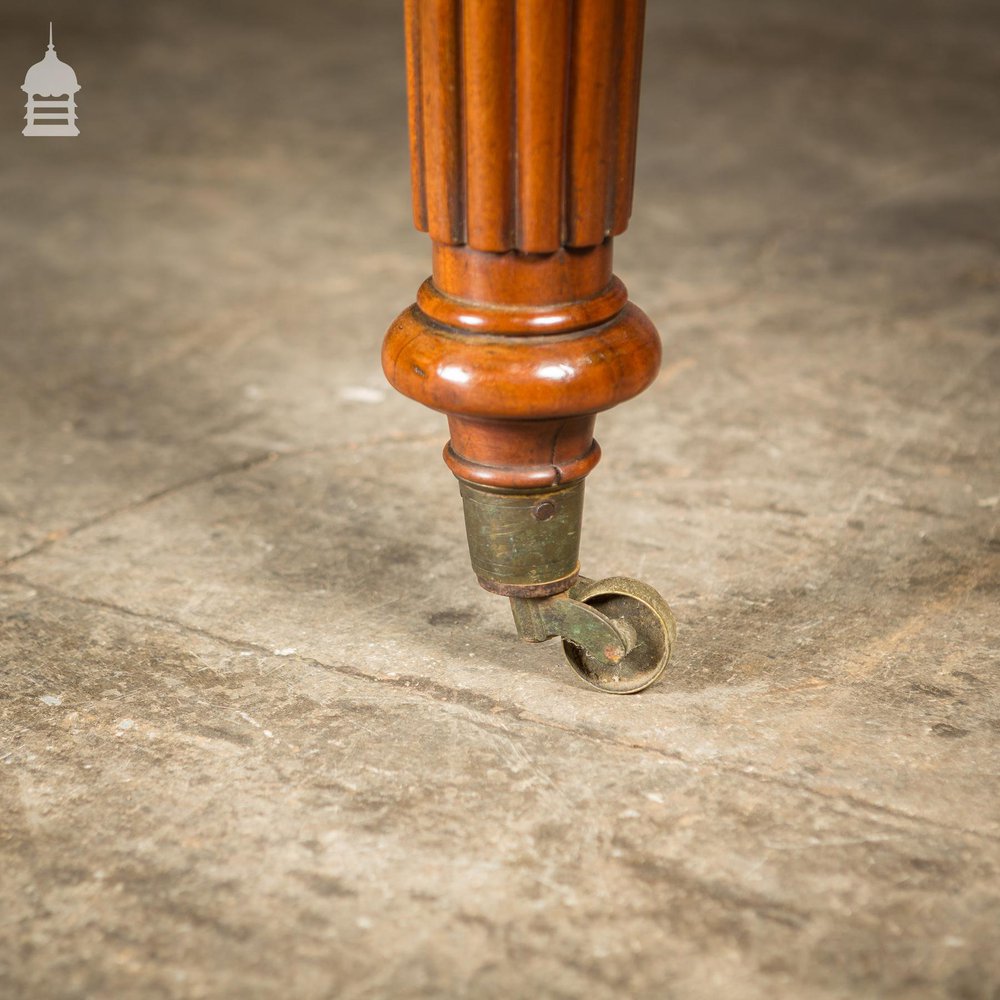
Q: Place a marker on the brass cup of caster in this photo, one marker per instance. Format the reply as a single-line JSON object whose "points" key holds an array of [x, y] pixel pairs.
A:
{"points": [[617, 634]]}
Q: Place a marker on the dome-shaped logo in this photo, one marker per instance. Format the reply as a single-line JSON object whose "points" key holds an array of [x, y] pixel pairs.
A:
{"points": [[51, 87]]}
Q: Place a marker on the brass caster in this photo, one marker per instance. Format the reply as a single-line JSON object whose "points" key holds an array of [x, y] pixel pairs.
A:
{"points": [[617, 634]]}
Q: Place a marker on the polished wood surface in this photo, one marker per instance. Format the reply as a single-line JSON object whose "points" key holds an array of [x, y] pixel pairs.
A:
{"points": [[522, 131], [523, 120], [522, 378]]}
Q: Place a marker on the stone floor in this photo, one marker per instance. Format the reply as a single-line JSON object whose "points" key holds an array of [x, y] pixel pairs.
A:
{"points": [[261, 735]]}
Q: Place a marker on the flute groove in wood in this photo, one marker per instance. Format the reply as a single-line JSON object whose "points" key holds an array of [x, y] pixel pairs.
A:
{"points": [[523, 117]]}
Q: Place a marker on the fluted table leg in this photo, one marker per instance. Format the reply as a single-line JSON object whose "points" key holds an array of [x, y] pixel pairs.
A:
{"points": [[522, 141]]}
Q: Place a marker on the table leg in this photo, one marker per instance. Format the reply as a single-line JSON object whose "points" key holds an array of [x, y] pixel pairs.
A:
{"points": [[522, 139]]}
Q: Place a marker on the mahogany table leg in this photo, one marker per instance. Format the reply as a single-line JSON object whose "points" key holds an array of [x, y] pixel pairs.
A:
{"points": [[522, 141]]}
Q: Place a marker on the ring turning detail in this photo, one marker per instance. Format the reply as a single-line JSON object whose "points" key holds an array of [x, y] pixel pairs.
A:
{"points": [[522, 139]]}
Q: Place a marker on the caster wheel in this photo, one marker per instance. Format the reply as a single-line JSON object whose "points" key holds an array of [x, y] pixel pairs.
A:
{"points": [[644, 620]]}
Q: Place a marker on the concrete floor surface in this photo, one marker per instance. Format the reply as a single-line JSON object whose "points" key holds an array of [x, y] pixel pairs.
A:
{"points": [[261, 735]]}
